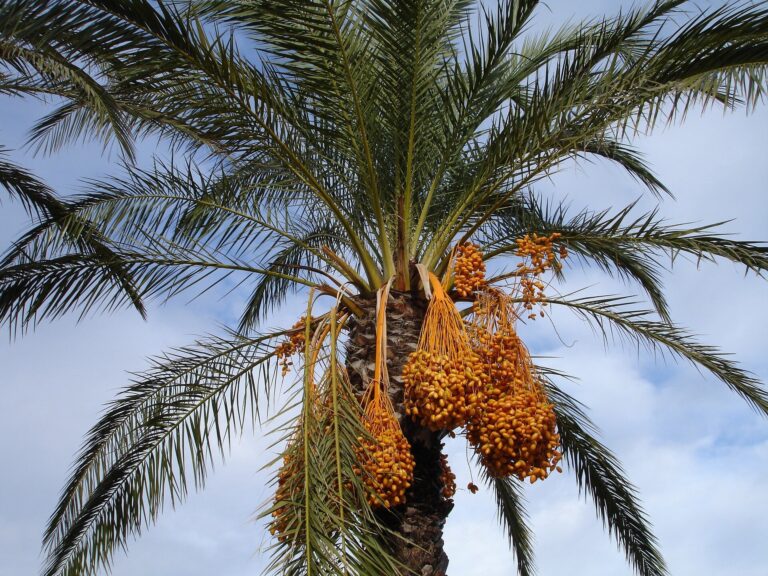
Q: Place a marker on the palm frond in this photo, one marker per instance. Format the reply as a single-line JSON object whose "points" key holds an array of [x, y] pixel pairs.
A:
{"points": [[628, 158], [413, 41], [617, 79], [600, 475], [651, 232], [40, 45], [35, 196], [271, 290], [513, 518], [45, 289], [41, 202], [159, 84], [172, 229], [614, 315], [526, 214], [478, 90], [628, 244], [159, 438]]}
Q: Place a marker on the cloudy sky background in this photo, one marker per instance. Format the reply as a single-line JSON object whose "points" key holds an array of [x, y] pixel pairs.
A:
{"points": [[697, 453]]}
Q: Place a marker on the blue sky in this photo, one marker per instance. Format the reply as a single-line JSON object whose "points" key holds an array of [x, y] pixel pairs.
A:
{"points": [[696, 452]]}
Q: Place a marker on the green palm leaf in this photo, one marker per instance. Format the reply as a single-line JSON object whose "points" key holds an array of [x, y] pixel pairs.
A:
{"points": [[614, 315], [599, 474], [161, 436], [514, 519]]}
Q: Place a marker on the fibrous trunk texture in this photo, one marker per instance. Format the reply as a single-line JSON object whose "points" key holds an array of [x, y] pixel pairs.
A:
{"points": [[421, 519]]}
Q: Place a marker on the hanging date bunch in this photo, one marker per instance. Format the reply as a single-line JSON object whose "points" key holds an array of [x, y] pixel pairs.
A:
{"points": [[514, 429], [443, 373], [538, 254], [469, 270], [384, 455], [294, 344], [386, 462], [287, 494]]}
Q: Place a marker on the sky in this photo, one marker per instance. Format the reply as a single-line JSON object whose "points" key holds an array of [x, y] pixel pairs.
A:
{"points": [[696, 452]]}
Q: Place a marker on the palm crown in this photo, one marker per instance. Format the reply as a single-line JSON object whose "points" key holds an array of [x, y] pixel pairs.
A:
{"points": [[349, 148]]}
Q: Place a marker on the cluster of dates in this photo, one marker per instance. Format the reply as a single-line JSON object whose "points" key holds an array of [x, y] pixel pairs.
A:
{"points": [[385, 460], [515, 432], [480, 376]]}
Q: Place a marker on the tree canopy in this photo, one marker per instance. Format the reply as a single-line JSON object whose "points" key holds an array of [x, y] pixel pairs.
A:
{"points": [[350, 149]]}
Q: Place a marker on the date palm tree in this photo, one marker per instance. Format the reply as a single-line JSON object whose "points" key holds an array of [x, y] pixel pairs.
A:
{"points": [[342, 150]]}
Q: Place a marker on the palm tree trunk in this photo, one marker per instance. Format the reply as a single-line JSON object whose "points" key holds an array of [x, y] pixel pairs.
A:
{"points": [[421, 519]]}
